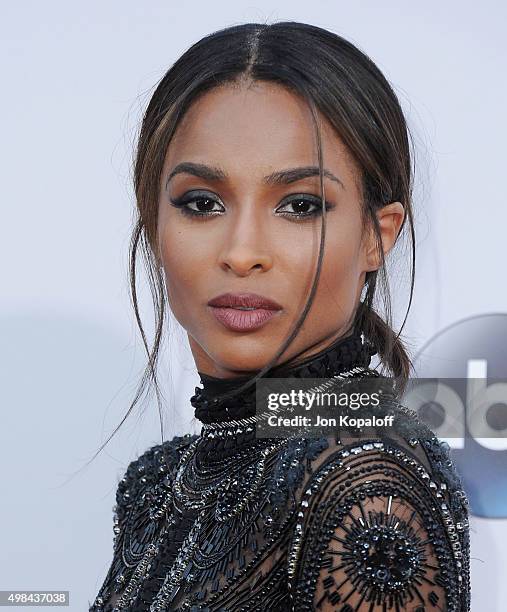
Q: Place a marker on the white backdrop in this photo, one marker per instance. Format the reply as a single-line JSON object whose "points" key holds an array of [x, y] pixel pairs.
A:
{"points": [[75, 77]]}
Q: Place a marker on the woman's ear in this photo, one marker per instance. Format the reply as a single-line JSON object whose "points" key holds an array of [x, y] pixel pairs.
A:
{"points": [[390, 217]]}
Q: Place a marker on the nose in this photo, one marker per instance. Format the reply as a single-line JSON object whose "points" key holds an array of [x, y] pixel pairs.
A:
{"points": [[246, 248]]}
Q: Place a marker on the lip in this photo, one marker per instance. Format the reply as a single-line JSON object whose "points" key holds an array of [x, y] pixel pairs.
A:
{"points": [[228, 309], [245, 300]]}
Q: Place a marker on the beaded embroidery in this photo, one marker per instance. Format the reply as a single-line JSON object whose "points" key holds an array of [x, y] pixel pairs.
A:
{"points": [[225, 521]]}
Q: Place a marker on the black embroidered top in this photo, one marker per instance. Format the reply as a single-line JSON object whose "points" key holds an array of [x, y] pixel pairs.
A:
{"points": [[226, 521]]}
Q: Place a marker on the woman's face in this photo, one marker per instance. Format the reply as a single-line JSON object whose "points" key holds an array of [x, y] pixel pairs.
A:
{"points": [[251, 174]]}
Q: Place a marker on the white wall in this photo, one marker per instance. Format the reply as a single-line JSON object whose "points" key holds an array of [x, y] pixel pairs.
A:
{"points": [[75, 77]]}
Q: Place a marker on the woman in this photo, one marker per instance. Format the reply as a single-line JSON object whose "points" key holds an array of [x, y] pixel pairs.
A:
{"points": [[273, 176]]}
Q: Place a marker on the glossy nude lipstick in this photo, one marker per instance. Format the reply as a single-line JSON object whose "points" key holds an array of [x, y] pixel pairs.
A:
{"points": [[243, 311]]}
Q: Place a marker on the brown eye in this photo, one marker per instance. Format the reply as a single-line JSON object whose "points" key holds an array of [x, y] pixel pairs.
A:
{"points": [[198, 204], [302, 207], [202, 205]]}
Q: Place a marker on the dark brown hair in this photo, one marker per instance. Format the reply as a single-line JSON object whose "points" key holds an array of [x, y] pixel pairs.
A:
{"points": [[337, 80]]}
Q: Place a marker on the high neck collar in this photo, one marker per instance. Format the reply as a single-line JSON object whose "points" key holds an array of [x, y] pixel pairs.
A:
{"points": [[344, 354]]}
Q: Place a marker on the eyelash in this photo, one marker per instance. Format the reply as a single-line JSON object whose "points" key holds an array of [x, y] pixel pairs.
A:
{"points": [[190, 198]]}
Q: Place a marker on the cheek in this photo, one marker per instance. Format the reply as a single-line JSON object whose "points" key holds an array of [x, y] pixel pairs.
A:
{"points": [[341, 268], [184, 264]]}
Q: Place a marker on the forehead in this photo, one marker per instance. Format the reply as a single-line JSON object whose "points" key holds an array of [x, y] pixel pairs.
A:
{"points": [[261, 127]]}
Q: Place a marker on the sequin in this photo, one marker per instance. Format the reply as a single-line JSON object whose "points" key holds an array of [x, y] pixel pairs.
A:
{"points": [[228, 522]]}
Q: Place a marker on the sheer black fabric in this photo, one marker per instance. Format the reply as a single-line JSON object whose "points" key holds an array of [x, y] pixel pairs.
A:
{"points": [[228, 521]]}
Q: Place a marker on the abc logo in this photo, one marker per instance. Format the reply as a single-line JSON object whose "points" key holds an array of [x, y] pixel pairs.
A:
{"points": [[464, 401]]}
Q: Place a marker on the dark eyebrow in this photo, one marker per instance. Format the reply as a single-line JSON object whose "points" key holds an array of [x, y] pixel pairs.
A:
{"points": [[208, 173], [281, 177], [291, 175]]}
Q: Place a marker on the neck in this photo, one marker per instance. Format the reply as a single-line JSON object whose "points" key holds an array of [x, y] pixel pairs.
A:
{"points": [[210, 407]]}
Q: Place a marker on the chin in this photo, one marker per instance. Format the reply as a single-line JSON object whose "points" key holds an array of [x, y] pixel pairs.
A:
{"points": [[242, 362], [243, 354]]}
